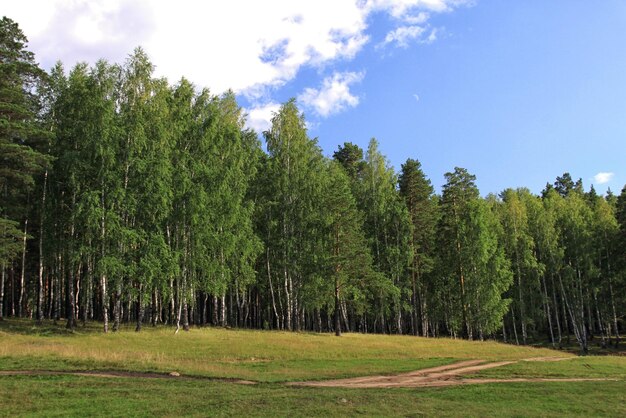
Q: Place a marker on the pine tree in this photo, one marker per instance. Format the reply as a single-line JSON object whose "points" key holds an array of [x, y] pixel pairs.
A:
{"points": [[474, 272], [21, 137], [350, 263], [418, 195]]}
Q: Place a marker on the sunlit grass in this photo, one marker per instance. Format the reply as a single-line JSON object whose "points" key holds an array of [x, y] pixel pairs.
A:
{"points": [[246, 354], [275, 357], [609, 367], [90, 396]]}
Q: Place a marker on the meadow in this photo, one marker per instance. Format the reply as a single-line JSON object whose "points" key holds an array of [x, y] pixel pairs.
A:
{"points": [[212, 361]]}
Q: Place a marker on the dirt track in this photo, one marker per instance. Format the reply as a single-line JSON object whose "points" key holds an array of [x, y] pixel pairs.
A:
{"points": [[118, 374], [448, 375]]}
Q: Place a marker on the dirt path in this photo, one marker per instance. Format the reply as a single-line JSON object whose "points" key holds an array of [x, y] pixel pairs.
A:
{"points": [[118, 374], [448, 375]]}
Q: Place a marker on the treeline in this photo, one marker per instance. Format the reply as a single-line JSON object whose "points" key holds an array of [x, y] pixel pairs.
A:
{"points": [[127, 199]]}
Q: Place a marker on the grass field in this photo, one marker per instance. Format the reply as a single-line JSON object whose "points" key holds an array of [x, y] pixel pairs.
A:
{"points": [[273, 358]]}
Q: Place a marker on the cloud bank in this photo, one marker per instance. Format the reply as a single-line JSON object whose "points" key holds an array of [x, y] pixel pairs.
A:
{"points": [[249, 46]]}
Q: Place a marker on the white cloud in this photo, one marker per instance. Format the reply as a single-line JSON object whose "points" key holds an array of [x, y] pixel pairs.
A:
{"points": [[410, 10], [602, 178], [78, 30], [238, 44], [333, 96], [260, 117], [247, 45], [432, 37], [414, 16], [403, 35], [417, 19]]}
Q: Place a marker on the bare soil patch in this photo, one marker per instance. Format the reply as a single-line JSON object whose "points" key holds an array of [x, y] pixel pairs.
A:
{"points": [[448, 375], [544, 359]]}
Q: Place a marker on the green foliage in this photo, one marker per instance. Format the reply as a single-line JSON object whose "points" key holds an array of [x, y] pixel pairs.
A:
{"points": [[418, 195], [21, 133], [154, 199], [474, 272]]}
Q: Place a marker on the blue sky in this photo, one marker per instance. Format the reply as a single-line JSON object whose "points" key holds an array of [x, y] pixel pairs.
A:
{"points": [[517, 92]]}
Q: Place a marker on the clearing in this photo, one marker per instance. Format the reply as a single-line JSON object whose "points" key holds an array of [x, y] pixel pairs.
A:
{"points": [[49, 371]]}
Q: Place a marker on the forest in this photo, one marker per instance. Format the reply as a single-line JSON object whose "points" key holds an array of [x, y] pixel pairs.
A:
{"points": [[128, 199]]}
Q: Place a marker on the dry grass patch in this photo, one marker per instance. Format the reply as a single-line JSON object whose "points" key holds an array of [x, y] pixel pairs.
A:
{"points": [[244, 354]]}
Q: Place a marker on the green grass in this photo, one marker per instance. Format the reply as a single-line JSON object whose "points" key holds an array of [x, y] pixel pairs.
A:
{"points": [[611, 367], [255, 355], [85, 396], [273, 358]]}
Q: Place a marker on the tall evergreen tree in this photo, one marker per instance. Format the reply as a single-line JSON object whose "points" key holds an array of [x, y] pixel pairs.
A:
{"points": [[418, 195], [349, 256], [474, 271], [21, 137], [350, 156]]}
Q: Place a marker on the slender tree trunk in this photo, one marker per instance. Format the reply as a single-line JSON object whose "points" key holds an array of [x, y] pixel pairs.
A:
{"points": [[103, 277], [105, 303], [344, 314], [318, 318], [139, 308], [583, 330], [269, 277], [214, 312], [185, 308], [77, 294], [414, 328], [12, 275], [59, 279], [425, 319], [521, 302], [398, 319], [599, 318], [547, 308], [223, 310], [87, 294], [578, 328], [71, 302], [154, 310], [556, 311], [51, 294], [617, 337], [185, 314], [22, 272], [117, 311], [2, 276], [172, 303], [514, 325], [179, 313], [337, 307], [40, 289], [468, 331], [422, 303], [288, 308]]}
